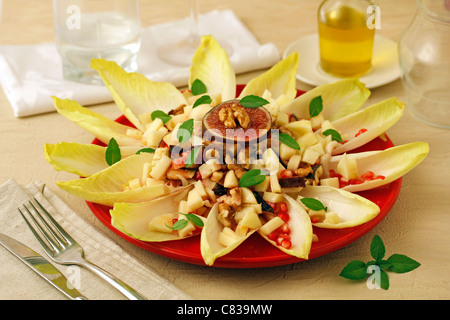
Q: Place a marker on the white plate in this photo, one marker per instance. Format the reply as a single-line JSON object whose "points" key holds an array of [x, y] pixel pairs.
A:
{"points": [[385, 66]]}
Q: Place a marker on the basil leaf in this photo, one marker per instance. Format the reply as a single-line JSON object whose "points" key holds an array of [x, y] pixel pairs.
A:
{"points": [[377, 249], [112, 154], [313, 204], [193, 155], [401, 263], [161, 115], [334, 135], [355, 270], [251, 178], [288, 140], [184, 132], [315, 106], [253, 102], [179, 224], [198, 87], [148, 150], [194, 219], [384, 279], [202, 100]]}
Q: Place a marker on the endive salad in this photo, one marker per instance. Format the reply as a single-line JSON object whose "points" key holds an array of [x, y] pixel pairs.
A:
{"points": [[223, 166]]}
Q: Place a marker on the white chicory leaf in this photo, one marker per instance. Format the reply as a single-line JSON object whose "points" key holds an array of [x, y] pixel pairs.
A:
{"points": [[350, 209], [339, 99]]}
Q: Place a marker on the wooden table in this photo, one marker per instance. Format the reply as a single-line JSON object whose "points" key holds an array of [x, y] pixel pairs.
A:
{"points": [[418, 224]]}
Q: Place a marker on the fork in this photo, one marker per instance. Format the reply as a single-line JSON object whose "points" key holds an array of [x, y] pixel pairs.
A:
{"points": [[63, 249]]}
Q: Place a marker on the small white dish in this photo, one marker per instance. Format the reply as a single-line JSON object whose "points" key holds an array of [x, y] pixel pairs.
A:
{"points": [[385, 66]]}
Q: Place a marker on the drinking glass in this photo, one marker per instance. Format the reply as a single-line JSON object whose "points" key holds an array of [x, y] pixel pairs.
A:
{"points": [[181, 52], [87, 29]]}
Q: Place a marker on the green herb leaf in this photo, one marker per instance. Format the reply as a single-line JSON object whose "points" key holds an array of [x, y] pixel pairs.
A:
{"points": [[355, 270], [384, 279], [253, 102], [161, 115], [112, 154], [315, 106], [147, 150], [313, 204], [335, 136], [202, 100], [401, 263], [194, 219], [193, 155], [185, 130], [382, 264], [198, 87], [377, 249], [288, 140], [251, 178], [179, 224]]}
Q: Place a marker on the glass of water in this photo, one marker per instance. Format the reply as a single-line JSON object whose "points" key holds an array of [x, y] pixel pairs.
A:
{"points": [[87, 29]]}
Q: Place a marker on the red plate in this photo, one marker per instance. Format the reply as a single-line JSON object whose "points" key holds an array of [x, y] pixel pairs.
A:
{"points": [[256, 252]]}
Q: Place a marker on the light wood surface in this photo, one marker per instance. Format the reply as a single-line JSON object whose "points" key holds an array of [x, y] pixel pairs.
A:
{"points": [[417, 226]]}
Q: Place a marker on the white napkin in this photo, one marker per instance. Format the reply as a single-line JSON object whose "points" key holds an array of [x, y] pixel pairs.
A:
{"points": [[30, 74], [16, 277]]}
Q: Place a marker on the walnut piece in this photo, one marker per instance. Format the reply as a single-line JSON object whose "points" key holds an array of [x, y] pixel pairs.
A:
{"points": [[230, 113]]}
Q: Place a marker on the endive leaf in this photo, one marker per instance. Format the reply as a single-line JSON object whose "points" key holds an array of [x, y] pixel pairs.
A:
{"points": [[339, 99], [133, 219], [81, 159], [210, 247], [300, 230], [280, 81], [376, 119], [101, 127], [351, 209], [107, 186], [212, 67], [391, 163], [136, 95]]}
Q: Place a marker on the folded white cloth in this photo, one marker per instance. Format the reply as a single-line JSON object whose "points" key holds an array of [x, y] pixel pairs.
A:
{"points": [[18, 282], [30, 74]]}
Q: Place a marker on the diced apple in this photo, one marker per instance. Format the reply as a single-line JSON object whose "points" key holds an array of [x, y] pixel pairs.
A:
{"points": [[271, 161], [332, 218], [263, 186], [294, 162], [308, 139], [227, 237], [286, 152], [231, 181], [282, 119], [326, 124], [331, 182], [310, 156], [248, 196], [162, 223], [135, 133], [317, 216], [146, 172], [199, 112], [347, 168], [316, 121], [187, 230], [153, 138], [300, 127], [274, 183], [155, 125], [273, 197], [209, 167], [145, 118], [200, 189], [251, 220], [194, 200], [271, 225], [134, 184], [241, 230], [161, 167], [318, 147]]}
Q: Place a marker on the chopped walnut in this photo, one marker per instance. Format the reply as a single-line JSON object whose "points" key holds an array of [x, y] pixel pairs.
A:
{"points": [[234, 199], [303, 171], [230, 113], [226, 216]]}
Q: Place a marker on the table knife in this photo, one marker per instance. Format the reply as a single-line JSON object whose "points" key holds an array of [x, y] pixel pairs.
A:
{"points": [[41, 266]]}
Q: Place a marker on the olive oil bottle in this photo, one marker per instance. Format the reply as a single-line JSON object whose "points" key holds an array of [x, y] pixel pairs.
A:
{"points": [[345, 39]]}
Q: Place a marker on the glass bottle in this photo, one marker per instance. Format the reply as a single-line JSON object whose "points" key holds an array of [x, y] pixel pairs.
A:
{"points": [[345, 37], [424, 54]]}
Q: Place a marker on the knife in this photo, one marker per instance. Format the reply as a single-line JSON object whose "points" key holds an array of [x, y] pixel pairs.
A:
{"points": [[41, 266]]}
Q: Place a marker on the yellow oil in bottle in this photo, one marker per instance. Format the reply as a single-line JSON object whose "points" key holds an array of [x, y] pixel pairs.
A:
{"points": [[346, 43]]}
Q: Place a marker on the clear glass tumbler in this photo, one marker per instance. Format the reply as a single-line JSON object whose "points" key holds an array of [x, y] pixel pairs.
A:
{"points": [[424, 53], [87, 29]]}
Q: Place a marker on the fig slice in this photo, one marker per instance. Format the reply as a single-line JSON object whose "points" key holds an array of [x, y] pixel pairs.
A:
{"points": [[257, 128]]}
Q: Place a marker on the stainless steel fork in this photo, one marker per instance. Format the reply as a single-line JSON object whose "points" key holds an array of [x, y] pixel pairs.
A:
{"points": [[63, 249]]}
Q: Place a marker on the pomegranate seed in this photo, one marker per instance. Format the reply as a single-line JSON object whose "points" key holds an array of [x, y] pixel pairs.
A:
{"points": [[272, 236], [286, 243], [284, 216], [285, 229], [360, 132], [286, 173]]}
